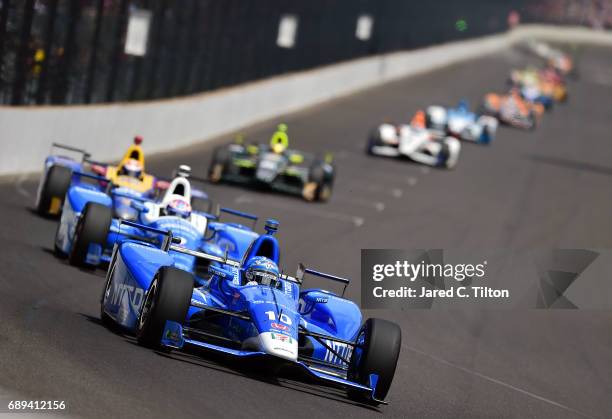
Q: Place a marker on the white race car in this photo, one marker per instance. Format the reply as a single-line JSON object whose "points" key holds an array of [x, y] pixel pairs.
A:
{"points": [[418, 144]]}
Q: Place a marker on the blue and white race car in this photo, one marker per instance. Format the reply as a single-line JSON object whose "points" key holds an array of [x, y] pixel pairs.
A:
{"points": [[92, 214], [461, 123], [245, 308]]}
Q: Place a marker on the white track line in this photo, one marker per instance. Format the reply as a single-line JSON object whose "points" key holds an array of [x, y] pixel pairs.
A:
{"points": [[375, 187], [19, 186], [356, 220], [379, 206], [499, 382]]}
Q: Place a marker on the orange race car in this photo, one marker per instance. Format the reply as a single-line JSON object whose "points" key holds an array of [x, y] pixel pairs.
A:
{"points": [[512, 109]]}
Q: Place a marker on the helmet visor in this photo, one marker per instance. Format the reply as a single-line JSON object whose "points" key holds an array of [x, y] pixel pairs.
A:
{"points": [[263, 278]]}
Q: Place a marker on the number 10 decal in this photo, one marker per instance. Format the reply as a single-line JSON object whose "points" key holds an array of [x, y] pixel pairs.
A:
{"points": [[283, 317]]}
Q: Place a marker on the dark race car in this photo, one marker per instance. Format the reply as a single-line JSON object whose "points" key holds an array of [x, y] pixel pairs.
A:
{"points": [[274, 166]]}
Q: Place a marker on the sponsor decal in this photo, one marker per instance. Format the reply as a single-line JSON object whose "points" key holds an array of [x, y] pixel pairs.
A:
{"points": [[279, 326], [281, 337], [341, 348], [134, 295]]}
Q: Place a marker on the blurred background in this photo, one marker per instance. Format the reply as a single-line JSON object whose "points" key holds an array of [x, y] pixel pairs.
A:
{"points": [[97, 51]]}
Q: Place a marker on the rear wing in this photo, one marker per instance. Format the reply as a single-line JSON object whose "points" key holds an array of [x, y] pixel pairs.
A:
{"points": [[84, 155], [237, 213], [170, 243], [302, 270]]}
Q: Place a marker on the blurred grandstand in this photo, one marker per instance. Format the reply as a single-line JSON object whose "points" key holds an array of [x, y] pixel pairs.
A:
{"points": [[94, 51]]}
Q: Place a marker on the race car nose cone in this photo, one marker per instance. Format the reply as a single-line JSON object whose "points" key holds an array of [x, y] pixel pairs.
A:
{"points": [[279, 345]]}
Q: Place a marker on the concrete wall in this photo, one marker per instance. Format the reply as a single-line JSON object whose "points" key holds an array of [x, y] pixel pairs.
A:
{"points": [[27, 132]]}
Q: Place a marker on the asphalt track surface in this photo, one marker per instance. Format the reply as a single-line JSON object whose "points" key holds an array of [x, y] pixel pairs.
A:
{"points": [[548, 188]]}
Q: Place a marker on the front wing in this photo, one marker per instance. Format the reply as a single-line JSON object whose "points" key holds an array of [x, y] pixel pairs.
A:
{"points": [[174, 338]]}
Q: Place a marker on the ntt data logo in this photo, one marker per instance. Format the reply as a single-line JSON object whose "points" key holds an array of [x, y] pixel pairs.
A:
{"points": [[491, 278]]}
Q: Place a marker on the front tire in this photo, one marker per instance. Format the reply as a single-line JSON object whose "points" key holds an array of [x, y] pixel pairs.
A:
{"points": [[381, 341], [92, 228], [168, 298], [53, 191]]}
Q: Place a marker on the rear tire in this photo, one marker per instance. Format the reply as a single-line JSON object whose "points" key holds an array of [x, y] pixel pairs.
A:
{"points": [[533, 122], [92, 228], [372, 142], [168, 298], [218, 165], [52, 194], [444, 155], [321, 182], [382, 341]]}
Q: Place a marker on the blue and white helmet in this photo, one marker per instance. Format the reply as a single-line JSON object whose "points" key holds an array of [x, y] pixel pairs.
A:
{"points": [[261, 270]]}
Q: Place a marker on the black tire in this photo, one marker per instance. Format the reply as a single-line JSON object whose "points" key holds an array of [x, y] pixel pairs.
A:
{"points": [[168, 298], [372, 142], [56, 184], [92, 228], [219, 164], [444, 155], [324, 182], [533, 122], [382, 341]]}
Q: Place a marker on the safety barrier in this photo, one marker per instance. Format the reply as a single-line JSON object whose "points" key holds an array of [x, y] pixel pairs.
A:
{"points": [[27, 132]]}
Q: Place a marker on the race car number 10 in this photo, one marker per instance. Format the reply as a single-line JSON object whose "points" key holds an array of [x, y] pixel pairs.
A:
{"points": [[283, 317]]}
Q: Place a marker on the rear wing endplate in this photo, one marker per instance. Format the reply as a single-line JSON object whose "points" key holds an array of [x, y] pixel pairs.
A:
{"points": [[84, 154], [302, 270]]}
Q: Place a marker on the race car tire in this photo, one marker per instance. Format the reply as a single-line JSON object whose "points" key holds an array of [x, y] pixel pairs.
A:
{"points": [[444, 155], [92, 228], [322, 185], [487, 137], [378, 355], [219, 164], [56, 184], [372, 142], [168, 298], [533, 122]]}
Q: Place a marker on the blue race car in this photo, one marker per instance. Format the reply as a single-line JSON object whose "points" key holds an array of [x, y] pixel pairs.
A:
{"points": [[533, 94], [90, 221], [461, 123], [245, 308]]}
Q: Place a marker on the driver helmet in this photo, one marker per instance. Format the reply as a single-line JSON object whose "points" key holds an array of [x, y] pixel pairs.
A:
{"points": [[179, 208], [280, 140], [260, 270], [132, 168]]}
